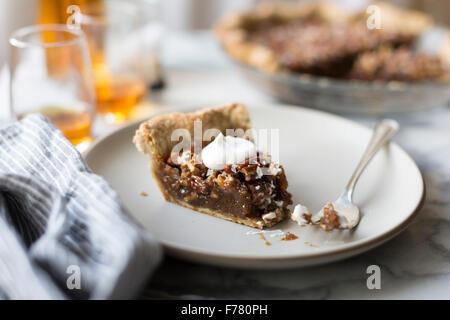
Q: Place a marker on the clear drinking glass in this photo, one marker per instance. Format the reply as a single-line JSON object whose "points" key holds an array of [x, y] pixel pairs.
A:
{"points": [[109, 28], [51, 73]]}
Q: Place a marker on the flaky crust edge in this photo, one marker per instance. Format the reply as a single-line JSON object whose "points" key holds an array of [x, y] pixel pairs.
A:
{"points": [[154, 135]]}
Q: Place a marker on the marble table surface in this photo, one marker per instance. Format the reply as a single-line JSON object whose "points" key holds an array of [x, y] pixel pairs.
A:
{"points": [[414, 265]]}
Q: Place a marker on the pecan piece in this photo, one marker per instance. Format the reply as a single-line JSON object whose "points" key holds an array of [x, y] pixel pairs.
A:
{"points": [[199, 185]]}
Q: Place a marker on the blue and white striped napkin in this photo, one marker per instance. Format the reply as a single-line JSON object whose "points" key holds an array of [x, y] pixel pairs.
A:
{"points": [[63, 231]]}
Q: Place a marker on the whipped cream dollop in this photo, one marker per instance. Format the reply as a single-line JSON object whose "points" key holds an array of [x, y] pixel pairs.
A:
{"points": [[225, 150], [298, 215]]}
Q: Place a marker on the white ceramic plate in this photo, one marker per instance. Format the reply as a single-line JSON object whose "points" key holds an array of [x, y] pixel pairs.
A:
{"points": [[319, 152]]}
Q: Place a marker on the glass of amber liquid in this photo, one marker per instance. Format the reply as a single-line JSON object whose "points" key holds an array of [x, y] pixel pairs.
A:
{"points": [[51, 73], [109, 26]]}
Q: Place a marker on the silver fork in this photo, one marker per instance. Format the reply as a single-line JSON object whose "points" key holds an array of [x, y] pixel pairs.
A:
{"points": [[348, 212]]}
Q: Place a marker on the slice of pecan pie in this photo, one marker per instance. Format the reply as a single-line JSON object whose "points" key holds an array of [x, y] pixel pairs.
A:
{"points": [[249, 188]]}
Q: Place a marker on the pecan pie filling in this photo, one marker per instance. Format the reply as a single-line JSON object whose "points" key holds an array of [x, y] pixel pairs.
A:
{"points": [[255, 188], [330, 218], [322, 48]]}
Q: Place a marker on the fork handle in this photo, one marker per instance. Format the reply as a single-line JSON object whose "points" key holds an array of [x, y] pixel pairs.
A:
{"points": [[383, 131]]}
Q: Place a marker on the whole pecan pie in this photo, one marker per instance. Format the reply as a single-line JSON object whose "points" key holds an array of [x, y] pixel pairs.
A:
{"points": [[323, 39], [252, 192]]}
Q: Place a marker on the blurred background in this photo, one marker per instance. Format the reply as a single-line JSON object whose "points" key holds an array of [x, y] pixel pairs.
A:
{"points": [[127, 51], [179, 14]]}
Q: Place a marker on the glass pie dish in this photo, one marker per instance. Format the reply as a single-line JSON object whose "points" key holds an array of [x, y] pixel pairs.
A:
{"points": [[348, 96]]}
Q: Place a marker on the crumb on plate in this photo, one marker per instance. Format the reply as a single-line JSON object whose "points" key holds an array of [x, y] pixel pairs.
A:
{"points": [[289, 236]]}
